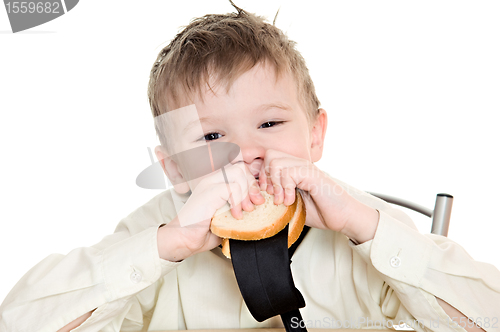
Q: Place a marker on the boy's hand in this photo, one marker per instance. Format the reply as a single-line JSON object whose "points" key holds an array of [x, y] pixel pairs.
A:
{"points": [[328, 205], [176, 242]]}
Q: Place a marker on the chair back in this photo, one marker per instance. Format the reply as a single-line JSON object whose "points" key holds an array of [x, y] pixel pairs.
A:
{"points": [[440, 215]]}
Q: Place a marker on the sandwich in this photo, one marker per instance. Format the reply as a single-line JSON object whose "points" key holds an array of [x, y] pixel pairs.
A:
{"points": [[265, 221]]}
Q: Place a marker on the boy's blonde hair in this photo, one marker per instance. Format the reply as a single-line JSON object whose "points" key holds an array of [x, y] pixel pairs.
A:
{"points": [[222, 47]]}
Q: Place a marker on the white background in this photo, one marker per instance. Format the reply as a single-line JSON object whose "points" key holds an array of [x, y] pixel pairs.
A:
{"points": [[411, 90]]}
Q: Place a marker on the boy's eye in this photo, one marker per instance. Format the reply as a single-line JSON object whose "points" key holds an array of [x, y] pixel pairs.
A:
{"points": [[271, 123], [211, 136]]}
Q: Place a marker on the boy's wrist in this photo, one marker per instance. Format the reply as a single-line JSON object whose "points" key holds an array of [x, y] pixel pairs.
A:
{"points": [[169, 246], [362, 223]]}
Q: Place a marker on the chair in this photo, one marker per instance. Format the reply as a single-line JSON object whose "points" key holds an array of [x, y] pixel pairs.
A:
{"points": [[440, 215]]}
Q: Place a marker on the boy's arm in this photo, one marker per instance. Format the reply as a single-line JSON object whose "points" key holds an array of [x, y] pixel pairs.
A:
{"points": [[169, 250], [104, 277], [432, 276], [365, 231]]}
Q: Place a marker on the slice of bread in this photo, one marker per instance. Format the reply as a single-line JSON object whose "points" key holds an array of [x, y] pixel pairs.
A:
{"points": [[265, 221]]}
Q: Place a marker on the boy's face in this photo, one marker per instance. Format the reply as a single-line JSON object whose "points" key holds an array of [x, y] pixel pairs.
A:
{"points": [[258, 113]]}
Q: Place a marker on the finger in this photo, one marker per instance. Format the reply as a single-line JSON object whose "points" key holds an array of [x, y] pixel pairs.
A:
{"points": [[235, 184], [252, 195], [255, 194], [238, 173], [246, 180], [285, 160], [234, 198], [263, 177], [270, 188], [289, 185], [241, 174], [275, 172], [269, 182], [255, 197]]}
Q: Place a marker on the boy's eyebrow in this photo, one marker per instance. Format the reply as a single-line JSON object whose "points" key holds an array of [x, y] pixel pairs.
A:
{"points": [[261, 108], [197, 121], [265, 107]]}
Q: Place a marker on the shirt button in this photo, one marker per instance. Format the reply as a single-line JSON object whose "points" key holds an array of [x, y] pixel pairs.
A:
{"points": [[136, 277], [395, 261]]}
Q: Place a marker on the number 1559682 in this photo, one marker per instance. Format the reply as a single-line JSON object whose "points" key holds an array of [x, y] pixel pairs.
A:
{"points": [[32, 7]]}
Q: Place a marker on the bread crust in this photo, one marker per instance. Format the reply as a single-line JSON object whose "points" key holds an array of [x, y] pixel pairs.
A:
{"points": [[225, 248], [293, 234], [263, 233]]}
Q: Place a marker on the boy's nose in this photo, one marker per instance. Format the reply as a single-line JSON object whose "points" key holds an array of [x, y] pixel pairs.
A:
{"points": [[252, 153]]}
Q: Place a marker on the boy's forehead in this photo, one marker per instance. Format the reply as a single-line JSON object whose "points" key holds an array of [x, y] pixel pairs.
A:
{"points": [[258, 85], [215, 85]]}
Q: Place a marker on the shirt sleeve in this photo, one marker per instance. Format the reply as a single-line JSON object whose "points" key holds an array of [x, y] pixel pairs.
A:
{"points": [[105, 277], [417, 268]]}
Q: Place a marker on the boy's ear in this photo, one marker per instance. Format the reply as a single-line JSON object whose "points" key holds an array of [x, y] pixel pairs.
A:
{"points": [[318, 133], [172, 171]]}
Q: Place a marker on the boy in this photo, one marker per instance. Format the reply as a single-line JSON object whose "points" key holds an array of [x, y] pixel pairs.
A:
{"points": [[241, 81]]}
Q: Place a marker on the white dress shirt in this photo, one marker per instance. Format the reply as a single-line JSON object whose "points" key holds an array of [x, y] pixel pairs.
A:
{"points": [[391, 279]]}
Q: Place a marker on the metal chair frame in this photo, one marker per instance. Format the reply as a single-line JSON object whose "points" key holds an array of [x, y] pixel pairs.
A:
{"points": [[440, 215]]}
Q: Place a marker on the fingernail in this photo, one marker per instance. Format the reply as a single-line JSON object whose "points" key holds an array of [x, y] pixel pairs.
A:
{"points": [[277, 188], [270, 189], [254, 189], [263, 186]]}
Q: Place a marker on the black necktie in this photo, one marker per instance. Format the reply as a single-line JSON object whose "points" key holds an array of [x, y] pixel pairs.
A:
{"points": [[262, 270]]}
